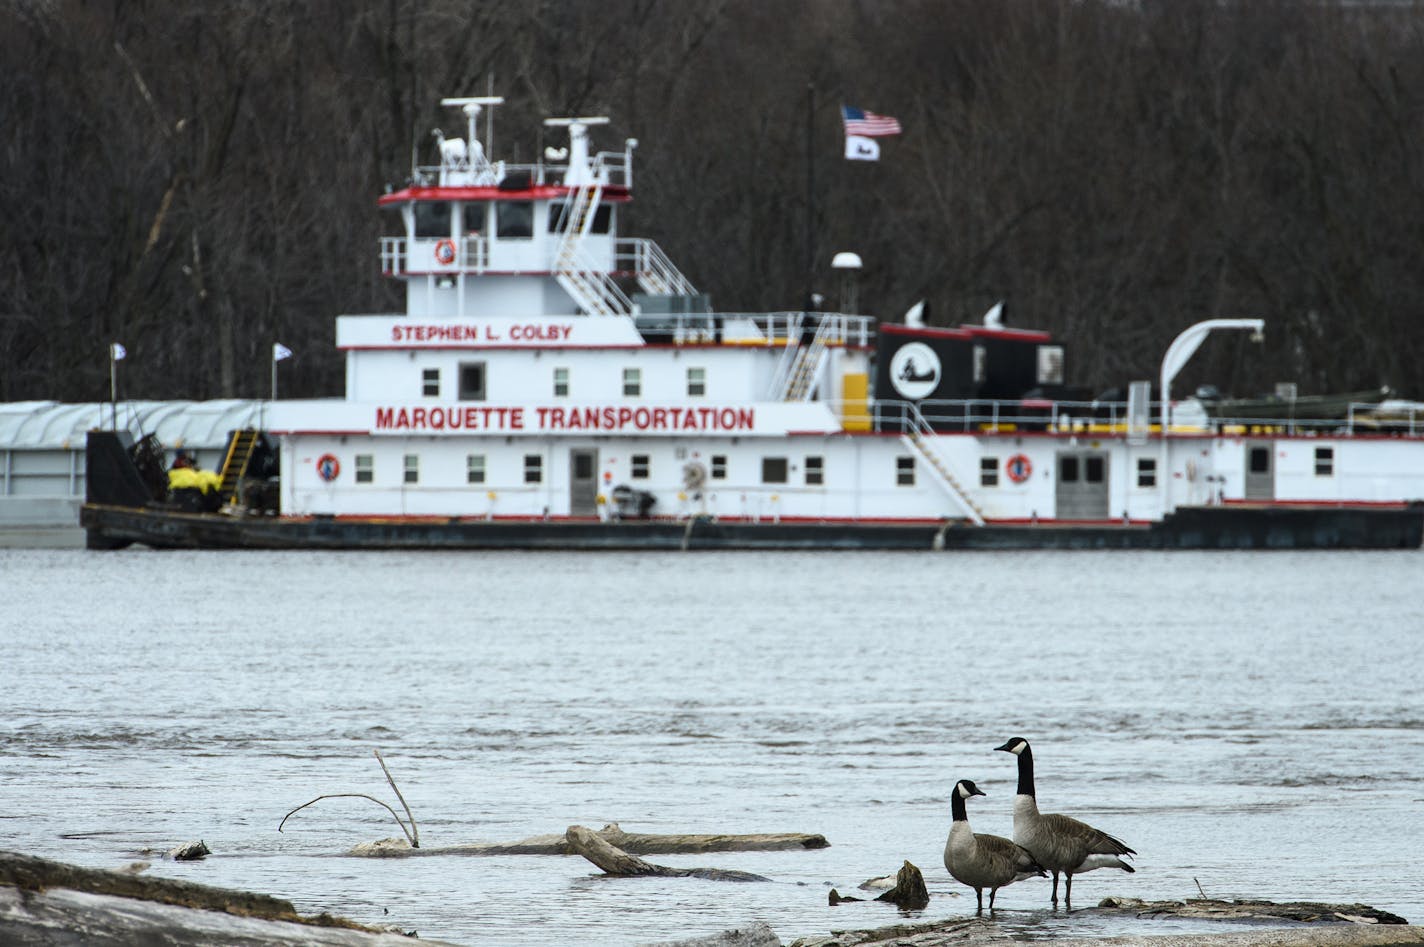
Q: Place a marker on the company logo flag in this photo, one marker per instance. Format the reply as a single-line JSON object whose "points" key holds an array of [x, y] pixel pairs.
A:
{"points": [[868, 124], [117, 352], [860, 148], [280, 351]]}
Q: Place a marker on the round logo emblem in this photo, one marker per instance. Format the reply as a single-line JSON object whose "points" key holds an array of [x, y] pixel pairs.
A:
{"points": [[327, 467], [914, 370]]}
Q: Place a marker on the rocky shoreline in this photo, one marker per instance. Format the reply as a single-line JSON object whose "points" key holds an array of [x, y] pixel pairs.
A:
{"points": [[50, 903]]}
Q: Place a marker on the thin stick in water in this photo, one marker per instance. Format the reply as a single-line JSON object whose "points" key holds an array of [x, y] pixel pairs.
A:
{"points": [[415, 839], [353, 795]]}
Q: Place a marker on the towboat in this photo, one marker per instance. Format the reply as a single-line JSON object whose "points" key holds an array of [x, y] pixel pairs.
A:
{"points": [[554, 384]]}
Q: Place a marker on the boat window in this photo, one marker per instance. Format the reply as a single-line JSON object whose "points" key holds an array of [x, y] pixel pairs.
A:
{"points": [[988, 471], [1260, 460], [474, 218], [432, 219], [1050, 364], [1147, 471], [1068, 469], [773, 470], [905, 471], [430, 382], [632, 382], [719, 466], [696, 382], [365, 468], [1325, 461], [472, 381], [515, 220], [639, 467], [412, 468], [561, 382], [1093, 469], [815, 470], [533, 468], [475, 468], [602, 218], [981, 364]]}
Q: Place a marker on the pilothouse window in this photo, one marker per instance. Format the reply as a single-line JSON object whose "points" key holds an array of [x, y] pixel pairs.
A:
{"points": [[602, 218], [432, 219], [515, 220]]}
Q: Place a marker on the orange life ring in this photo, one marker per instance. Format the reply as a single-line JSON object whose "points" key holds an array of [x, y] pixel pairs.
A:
{"points": [[445, 252], [1018, 468], [328, 467]]}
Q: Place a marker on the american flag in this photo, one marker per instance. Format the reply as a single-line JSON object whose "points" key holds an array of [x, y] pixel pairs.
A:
{"points": [[858, 122]]}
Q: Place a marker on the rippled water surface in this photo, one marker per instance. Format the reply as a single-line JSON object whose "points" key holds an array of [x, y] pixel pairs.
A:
{"points": [[1249, 722]]}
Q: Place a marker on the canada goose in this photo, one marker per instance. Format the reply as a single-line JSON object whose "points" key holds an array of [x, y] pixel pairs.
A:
{"points": [[983, 861], [1057, 842]]}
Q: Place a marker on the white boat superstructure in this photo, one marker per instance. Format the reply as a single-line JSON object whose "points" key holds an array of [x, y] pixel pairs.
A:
{"points": [[547, 368]]}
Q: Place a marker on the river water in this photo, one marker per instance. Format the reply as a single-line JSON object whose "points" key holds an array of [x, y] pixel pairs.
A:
{"points": [[1249, 722]]}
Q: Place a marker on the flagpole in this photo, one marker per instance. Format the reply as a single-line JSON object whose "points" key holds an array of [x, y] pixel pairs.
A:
{"points": [[116, 352], [810, 193]]}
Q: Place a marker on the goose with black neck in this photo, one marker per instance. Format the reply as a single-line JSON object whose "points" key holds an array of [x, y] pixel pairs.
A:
{"points": [[979, 860], [1057, 842]]}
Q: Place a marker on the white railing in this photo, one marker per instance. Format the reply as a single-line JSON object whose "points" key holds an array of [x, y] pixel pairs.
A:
{"points": [[471, 256], [656, 273], [1111, 417], [617, 164]]}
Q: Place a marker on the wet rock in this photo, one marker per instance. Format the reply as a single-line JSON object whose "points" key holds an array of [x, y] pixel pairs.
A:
{"points": [[752, 935], [909, 893], [190, 852]]}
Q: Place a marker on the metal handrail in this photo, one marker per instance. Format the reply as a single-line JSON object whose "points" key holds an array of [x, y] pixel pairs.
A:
{"points": [[1110, 417], [616, 163]]}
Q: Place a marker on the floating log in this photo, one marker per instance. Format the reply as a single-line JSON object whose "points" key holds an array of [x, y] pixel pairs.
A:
{"points": [[612, 860], [631, 842]]}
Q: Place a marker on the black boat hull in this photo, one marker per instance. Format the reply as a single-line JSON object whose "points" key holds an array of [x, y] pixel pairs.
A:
{"points": [[1217, 527]]}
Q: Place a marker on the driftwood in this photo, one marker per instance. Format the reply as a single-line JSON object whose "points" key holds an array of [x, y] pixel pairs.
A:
{"points": [[49, 902], [631, 842], [618, 863], [1213, 909], [412, 833]]}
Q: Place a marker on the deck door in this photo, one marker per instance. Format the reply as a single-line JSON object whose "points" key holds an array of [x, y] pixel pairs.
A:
{"points": [[583, 481], [1082, 485], [1260, 470]]}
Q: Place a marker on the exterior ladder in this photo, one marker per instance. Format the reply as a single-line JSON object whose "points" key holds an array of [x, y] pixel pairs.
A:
{"points": [[240, 449], [919, 438], [807, 367], [591, 288]]}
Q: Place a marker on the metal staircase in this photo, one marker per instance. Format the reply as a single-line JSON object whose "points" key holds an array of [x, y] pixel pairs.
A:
{"points": [[657, 274], [240, 448], [800, 365], [920, 438], [590, 286], [807, 367]]}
